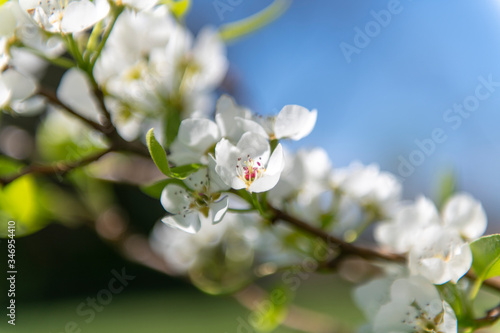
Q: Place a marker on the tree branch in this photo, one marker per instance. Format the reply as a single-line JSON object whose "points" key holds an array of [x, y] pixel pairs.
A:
{"points": [[109, 130], [344, 247], [59, 168], [53, 99]]}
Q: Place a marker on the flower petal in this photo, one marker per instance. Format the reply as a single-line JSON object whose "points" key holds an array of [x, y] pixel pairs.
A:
{"points": [[219, 209], [294, 122], [80, 15], [254, 145], [265, 183], [198, 133], [189, 223], [465, 214], [276, 162], [226, 156], [175, 199], [247, 125], [75, 91]]}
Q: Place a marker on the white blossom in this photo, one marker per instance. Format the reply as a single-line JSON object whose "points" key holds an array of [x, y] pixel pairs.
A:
{"points": [[152, 65], [226, 111], [248, 165], [75, 90], [440, 255], [415, 307], [15, 88], [292, 122], [466, 215], [201, 201], [404, 305], [403, 231], [369, 185], [196, 136], [182, 250], [65, 16]]}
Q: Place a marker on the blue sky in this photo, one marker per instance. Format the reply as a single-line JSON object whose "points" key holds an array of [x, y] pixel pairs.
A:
{"points": [[394, 91]]}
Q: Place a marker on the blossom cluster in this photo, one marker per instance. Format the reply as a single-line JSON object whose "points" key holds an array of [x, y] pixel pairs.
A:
{"points": [[131, 65], [235, 149]]}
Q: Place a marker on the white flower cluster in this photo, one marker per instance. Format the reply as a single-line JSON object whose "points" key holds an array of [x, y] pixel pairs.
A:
{"points": [[151, 66], [20, 69], [133, 65], [404, 305], [437, 248], [436, 244], [236, 150], [148, 68]]}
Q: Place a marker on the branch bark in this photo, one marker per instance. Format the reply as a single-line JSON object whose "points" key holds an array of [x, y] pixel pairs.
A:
{"points": [[344, 247], [59, 168]]}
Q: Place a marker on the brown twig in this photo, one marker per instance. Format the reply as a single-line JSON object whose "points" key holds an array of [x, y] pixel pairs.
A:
{"points": [[53, 99], [59, 168], [344, 247]]}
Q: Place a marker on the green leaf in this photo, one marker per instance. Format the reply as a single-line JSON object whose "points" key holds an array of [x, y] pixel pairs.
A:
{"points": [[160, 158], [447, 187], [486, 256], [238, 29], [178, 7], [154, 190], [8, 166], [485, 260], [183, 171], [2, 2], [172, 123], [20, 202], [158, 153], [271, 312]]}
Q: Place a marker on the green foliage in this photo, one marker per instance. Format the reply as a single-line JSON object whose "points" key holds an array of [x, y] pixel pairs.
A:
{"points": [[160, 158], [178, 7], [446, 188], [20, 201], [154, 190], [158, 153], [271, 312], [486, 254], [486, 260], [238, 29], [172, 123]]}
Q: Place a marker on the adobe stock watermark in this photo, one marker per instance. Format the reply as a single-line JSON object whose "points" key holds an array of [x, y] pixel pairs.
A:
{"points": [[89, 308], [223, 6], [292, 278], [453, 118], [364, 35]]}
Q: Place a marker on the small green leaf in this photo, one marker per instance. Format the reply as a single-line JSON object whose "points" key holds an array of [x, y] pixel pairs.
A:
{"points": [[172, 123], [158, 153], [447, 187], [20, 202], [250, 24], [154, 190], [183, 171], [178, 7], [271, 312], [160, 158], [8, 166], [486, 256]]}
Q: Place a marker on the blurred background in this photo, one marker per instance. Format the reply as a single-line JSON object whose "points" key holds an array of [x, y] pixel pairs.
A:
{"points": [[378, 96]]}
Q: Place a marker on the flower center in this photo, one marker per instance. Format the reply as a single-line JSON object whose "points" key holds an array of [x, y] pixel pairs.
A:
{"points": [[249, 170], [425, 323], [49, 13]]}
